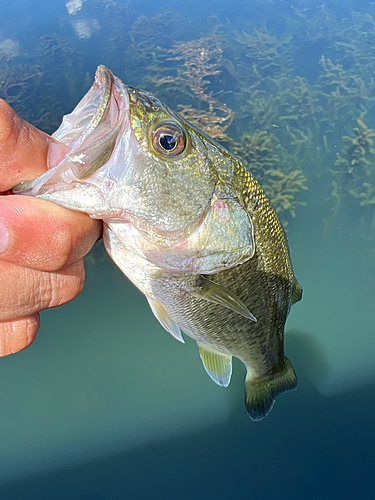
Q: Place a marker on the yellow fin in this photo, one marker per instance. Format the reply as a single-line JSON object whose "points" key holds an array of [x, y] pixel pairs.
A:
{"points": [[218, 366], [165, 320], [260, 392], [209, 290]]}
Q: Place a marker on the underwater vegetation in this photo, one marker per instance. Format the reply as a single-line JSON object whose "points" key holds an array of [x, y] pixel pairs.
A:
{"points": [[282, 188], [353, 185], [18, 83], [292, 99], [67, 62], [21, 86], [47, 84]]}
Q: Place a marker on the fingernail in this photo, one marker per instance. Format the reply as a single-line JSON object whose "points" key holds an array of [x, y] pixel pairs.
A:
{"points": [[56, 153], [4, 238]]}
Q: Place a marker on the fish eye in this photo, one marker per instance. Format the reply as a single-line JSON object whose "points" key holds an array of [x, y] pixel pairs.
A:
{"points": [[169, 139]]}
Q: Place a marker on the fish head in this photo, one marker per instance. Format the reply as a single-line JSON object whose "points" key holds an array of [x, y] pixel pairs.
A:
{"points": [[153, 177], [131, 158]]}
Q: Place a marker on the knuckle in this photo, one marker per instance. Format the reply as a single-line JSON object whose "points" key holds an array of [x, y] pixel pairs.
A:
{"points": [[70, 242], [24, 292], [66, 286], [64, 248]]}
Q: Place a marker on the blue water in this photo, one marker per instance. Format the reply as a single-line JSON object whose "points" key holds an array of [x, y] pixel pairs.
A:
{"points": [[107, 405]]}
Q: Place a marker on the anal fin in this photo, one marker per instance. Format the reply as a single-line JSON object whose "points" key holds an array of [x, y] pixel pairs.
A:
{"points": [[218, 366], [211, 291], [164, 319]]}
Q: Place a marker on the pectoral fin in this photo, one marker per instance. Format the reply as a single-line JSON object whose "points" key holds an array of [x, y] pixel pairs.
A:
{"points": [[209, 290], [218, 366], [164, 319]]}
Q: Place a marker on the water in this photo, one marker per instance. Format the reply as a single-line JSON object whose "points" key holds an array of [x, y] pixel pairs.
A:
{"points": [[105, 404]]}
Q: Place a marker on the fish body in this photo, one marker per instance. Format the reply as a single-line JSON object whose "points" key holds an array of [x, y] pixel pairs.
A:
{"points": [[188, 225]]}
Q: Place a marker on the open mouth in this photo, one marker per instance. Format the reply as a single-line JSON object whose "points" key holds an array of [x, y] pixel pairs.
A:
{"points": [[90, 131]]}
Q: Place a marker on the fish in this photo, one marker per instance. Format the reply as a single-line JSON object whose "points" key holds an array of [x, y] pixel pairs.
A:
{"points": [[187, 224]]}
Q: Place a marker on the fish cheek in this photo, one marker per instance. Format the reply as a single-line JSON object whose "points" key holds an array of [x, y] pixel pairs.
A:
{"points": [[172, 195]]}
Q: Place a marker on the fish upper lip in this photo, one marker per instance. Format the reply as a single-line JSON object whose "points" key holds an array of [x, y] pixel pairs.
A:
{"points": [[118, 90], [102, 73]]}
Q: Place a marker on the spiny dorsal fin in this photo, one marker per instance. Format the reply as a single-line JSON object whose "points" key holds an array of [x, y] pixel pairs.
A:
{"points": [[209, 290], [296, 291], [218, 366], [260, 392], [165, 320]]}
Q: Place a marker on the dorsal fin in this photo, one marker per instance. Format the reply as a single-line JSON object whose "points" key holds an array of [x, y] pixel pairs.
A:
{"points": [[296, 291], [218, 366], [164, 319]]}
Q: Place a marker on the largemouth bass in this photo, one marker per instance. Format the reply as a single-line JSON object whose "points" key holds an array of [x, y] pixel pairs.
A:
{"points": [[187, 224]]}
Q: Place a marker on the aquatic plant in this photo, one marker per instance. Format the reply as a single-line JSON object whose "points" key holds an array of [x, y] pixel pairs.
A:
{"points": [[260, 150], [303, 105], [357, 159], [359, 149], [288, 111], [158, 30], [47, 117], [342, 94], [288, 108], [354, 179], [200, 60], [22, 86], [195, 62], [267, 54], [355, 44], [65, 61], [365, 197], [208, 121], [256, 153], [282, 189], [147, 55], [18, 83], [9, 48]]}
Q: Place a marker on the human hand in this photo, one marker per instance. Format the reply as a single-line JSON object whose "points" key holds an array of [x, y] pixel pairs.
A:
{"points": [[41, 244]]}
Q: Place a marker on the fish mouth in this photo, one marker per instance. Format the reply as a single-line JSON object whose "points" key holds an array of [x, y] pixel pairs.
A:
{"points": [[109, 87], [102, 74], [93, 129]]}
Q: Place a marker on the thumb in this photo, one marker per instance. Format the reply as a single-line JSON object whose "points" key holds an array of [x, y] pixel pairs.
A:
{"points": [[25, 151]]}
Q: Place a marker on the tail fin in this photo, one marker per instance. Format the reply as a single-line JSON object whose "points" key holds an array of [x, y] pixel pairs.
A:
{"points": [[260, 394]]}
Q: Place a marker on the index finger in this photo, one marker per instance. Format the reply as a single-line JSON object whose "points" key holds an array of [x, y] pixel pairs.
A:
{"points": [[25, 151]]}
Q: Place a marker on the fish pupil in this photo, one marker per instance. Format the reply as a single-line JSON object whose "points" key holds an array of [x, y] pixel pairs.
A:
{"points": [[167, 142]]}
